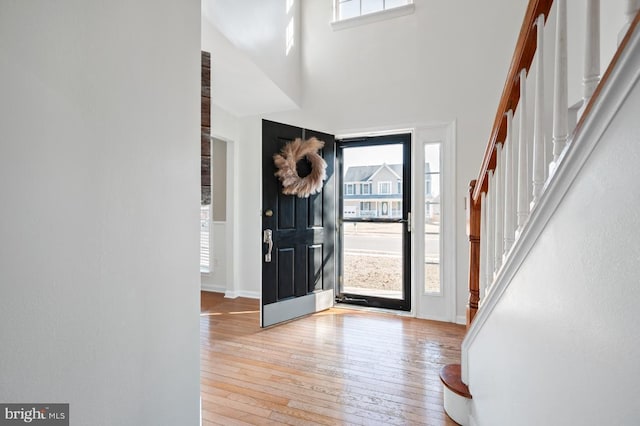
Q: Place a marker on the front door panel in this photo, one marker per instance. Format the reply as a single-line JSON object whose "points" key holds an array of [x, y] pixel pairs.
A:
{"points": [[298, 279]]}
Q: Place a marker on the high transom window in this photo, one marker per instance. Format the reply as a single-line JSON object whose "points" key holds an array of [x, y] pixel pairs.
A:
{"points": [[346, 9]]}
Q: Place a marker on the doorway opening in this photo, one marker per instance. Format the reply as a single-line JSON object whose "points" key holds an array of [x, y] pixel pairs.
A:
{"points": [[374, 201]]}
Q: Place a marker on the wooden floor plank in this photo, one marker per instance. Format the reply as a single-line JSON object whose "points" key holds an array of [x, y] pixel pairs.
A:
{"points": [[334, 368]]}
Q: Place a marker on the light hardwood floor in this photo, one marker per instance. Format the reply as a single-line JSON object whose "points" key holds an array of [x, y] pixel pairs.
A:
{"points": [[337, 367]]}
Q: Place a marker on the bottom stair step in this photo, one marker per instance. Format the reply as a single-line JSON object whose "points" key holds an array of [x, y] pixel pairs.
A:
{"points": [[457, 399]]}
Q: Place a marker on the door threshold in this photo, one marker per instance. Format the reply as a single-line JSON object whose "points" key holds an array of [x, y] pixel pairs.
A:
{"points": [[396, 312]]}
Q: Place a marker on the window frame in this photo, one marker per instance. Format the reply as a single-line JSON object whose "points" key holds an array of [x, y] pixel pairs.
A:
{"points": [[352, 186], [205, 238], [363, 186], [428, 205], [381, 15], [388, 184]]}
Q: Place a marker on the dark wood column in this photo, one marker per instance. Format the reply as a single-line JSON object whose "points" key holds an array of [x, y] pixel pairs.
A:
{"points": [[205, 129], [474, 254]]}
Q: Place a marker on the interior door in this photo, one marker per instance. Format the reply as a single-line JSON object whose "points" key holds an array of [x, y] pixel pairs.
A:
{"points": [[298, 234]]}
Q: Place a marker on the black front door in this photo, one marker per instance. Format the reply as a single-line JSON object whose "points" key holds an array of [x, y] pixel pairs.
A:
{"points": [[298, 234]]}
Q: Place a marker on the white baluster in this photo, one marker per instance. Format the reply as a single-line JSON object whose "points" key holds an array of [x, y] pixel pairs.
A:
{"points": [[509, 225], [631, 9], [490, 234], [560, 88], [591, 53], [483, 246], [513, 140], [523, 161], [538, 118], [499, 212]]}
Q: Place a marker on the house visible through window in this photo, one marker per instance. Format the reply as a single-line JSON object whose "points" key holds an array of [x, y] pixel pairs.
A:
{"points": [[349, 189], [346, 9], [365, 206], [384, 187]]}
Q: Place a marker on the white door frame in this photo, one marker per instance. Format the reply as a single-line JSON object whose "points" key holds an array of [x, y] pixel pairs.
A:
{"points": [[440, 306]]}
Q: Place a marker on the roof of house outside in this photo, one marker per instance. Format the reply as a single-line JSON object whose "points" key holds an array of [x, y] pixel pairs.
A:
{"points": [[364, 173]]}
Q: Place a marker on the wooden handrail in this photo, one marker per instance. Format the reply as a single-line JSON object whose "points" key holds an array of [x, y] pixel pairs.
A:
{"points": [[522, 58]]}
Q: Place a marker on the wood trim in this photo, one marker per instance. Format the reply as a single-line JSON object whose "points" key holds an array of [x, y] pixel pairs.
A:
{"points": [[522, 58], [474, 255], [450, 375]]}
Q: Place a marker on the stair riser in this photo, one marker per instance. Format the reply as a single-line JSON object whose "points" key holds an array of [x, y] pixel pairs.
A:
{"points": [[457, 407]]}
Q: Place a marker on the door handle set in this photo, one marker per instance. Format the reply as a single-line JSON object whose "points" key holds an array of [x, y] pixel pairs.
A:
{"points": [[407, 221], [267, 238]]}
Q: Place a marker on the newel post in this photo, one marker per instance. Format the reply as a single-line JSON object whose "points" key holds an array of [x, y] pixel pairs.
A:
{"points": [[474, 254]]}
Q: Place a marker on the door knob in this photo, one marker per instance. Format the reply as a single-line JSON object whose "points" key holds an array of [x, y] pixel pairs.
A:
{"points": [[268, 212]]}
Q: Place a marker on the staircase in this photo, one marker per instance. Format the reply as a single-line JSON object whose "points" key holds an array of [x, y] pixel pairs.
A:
{"points": [[545, 207], [457, 399]]}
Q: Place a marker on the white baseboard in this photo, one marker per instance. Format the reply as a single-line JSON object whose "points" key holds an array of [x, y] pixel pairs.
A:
{"points": [[461, 319], [242, 293], [443, 318], [213, 288]]}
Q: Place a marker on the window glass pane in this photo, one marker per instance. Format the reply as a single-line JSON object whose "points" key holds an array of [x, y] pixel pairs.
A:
{"points": [[432, 157], [370, 6], [348, 9], [432, 277], [432, 245], [205, 224], [373, 259], [390, 4], [432, 218], [378, 168], [432, 186]]}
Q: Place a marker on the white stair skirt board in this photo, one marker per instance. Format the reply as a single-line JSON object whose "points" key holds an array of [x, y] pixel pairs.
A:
{"points": [[457, 406], [274, 313]]}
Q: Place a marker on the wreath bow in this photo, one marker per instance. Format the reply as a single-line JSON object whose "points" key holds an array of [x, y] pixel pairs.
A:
{"points": [[285, 161]]}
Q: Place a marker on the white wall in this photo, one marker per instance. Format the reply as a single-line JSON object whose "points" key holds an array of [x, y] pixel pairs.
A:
{"points": [[250, 208], [561, 346], [238, 85], [258, 29], [224, 273], [447, 61], [99, 182]]}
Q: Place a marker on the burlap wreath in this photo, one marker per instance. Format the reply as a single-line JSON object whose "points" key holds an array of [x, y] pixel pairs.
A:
{"points": [[285, 161]]}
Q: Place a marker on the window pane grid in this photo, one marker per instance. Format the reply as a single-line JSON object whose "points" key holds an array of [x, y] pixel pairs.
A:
{"points": [[205, 224], [347, 9], [432, 218]]}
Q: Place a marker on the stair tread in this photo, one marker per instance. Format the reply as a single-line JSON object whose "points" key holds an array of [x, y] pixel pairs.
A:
{"points": [[451, 376]]}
